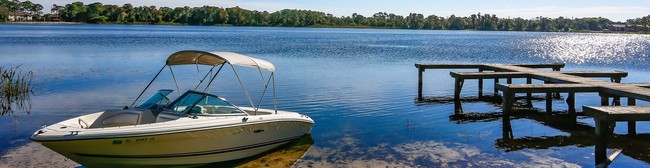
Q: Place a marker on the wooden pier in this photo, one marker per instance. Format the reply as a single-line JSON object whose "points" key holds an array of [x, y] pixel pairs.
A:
{"points": [[606, 116], [556, 82]]}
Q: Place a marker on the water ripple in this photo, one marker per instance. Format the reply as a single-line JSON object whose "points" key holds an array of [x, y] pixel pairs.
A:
{"points": [[590, 48]]}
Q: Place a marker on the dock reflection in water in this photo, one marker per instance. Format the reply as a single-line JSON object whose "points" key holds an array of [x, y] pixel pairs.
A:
{"points": [[579, 134]]}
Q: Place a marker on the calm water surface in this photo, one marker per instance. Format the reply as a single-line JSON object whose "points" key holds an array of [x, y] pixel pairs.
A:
{"points": [[358, 85]]}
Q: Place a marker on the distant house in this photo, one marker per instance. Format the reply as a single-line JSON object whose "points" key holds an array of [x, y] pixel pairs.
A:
{"points": [[19, 16], [54, 17], [617, 27], [626, 27], [636, 28]]}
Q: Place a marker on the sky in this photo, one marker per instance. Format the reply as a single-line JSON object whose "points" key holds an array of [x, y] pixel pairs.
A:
{"points": [[616, 10]]}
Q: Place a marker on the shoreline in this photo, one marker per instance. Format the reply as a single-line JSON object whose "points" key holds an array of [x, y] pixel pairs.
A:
{"points": [[315, 26], [44, 22], [34, 155]]}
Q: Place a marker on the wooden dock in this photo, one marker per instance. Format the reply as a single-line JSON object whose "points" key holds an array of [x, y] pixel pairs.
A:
{"points": [[605, 116], [556, 82]]}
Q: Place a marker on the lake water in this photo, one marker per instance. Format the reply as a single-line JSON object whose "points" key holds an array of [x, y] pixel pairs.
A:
{"points": [[359, 86]]}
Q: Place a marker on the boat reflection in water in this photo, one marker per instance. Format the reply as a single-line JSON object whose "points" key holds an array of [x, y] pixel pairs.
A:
{"points": [[283, 156]]}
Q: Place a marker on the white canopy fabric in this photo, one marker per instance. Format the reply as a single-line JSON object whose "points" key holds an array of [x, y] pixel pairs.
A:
{"points": [[217, 58]]}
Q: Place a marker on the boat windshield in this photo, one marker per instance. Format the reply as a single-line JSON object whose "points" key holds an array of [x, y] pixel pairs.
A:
{"points": [[157, 100], [203, 104]]}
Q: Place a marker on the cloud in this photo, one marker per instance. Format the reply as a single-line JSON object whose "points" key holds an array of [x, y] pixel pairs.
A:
{"points": [[346, 153]]}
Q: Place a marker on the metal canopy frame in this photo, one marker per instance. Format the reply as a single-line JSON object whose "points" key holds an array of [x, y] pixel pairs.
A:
{"points": [[270, 80]]}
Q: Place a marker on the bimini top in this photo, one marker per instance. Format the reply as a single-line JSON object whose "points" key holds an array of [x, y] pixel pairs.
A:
{"points": [[217, 58]]}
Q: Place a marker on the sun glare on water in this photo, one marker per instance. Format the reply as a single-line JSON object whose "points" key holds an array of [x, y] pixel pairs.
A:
{"points": [[590, 48]]}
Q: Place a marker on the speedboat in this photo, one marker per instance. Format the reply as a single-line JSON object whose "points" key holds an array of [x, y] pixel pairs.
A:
{"points": [[196, 128]]}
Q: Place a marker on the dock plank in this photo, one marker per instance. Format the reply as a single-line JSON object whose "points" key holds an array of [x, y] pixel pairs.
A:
{"points": [[640, 92], [488, 75], [615, 89], [595, 73], [492, 75], [546, 88], [449, 66], [478, 66], [618, 113]]}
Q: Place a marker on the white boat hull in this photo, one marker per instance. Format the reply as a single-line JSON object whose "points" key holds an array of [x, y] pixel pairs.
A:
{"points": [[195, 128], [179, 147]]}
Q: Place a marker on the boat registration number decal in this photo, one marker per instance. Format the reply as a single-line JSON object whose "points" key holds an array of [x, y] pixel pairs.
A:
{"points": [[133, 140]]}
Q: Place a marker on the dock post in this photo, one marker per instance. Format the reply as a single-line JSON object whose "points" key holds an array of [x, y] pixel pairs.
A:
{"points": [[571, 102], [557, 94], [457, 88], [549, 100], [506, 129], [604, 100], [420, 70], [549, 103], [509, 81], [529, 96], [508, 100], [602, 131], [496, 92], [616, 100], [458, 108], [631, 125], [480, 85]]}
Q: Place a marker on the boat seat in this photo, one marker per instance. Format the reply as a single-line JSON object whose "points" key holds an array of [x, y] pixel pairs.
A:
{"points": [[122, 119], [148, 117]]}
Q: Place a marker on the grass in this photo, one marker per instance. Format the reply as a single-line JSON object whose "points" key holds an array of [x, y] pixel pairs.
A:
{"points": [[15, 90]]}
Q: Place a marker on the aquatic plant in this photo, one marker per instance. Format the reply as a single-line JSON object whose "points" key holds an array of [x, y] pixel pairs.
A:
{"points": [[15, 89]]}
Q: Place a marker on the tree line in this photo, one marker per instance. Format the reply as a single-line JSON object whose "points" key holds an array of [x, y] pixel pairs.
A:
{"points": [[236, 16]]}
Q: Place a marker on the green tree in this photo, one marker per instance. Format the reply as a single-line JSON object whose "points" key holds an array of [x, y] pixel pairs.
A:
{"points": [[75, 12], [235, 16], [95, 13], [455, 23], [4, 14], [128, 13], [25, 6], [415, 20]]}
